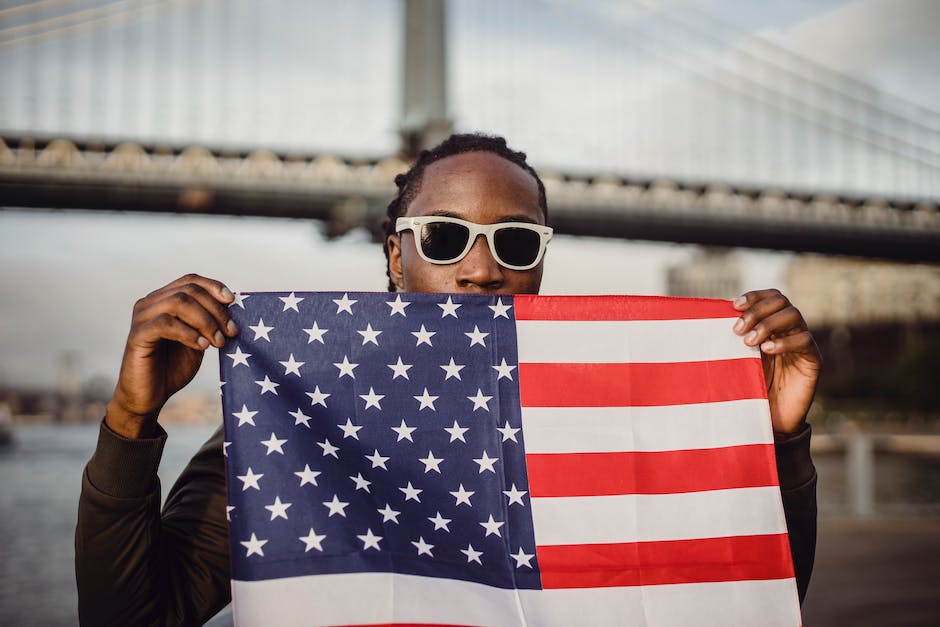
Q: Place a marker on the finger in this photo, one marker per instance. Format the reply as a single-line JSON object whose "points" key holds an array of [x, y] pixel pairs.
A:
{"points": [[218, 311], [190, 311], [782, 323], [216, 289], [747, 299], [168, 327], [801, 342], [772, 302]]}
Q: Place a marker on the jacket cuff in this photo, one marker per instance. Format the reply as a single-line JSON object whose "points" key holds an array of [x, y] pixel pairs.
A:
{"points": [[125, 468], [794, 465]]}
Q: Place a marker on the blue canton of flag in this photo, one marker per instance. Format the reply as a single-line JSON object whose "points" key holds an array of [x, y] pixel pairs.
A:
{"points": [[376, 433]]}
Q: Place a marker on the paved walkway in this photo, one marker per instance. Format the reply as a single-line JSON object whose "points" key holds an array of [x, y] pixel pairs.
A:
{"points": [[883, 573]]}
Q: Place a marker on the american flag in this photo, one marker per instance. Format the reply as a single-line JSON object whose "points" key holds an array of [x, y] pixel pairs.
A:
{"points": [[452, 459]]}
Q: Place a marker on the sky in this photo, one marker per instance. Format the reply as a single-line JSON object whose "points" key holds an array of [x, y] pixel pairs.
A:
{"points": [[595, 86]]}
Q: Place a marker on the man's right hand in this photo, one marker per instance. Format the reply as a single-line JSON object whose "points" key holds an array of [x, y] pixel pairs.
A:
{"points": [[170, 330]]}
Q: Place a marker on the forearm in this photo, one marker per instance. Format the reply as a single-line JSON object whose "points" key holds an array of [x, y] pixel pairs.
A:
{"points": [[136, 566], [798, 488]]}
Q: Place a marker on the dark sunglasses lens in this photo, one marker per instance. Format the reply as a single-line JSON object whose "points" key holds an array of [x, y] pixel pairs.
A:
{"points": [[517, 247], [443, 241]]}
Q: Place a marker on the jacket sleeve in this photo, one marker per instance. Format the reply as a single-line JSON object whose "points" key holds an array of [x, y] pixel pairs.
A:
{"points": [[797, 476], [135, 565]]}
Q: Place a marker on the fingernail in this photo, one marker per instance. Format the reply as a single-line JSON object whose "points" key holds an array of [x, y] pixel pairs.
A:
{"points": [[767, 346], [740, 301], [227, 293], [739, 325], [751, 337], [231, 328], [203, 342], [219, 338]]}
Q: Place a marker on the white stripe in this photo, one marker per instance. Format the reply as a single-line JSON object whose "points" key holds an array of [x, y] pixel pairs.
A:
{"points": [[650, 517], [662, 428], [633, 341], [385, 597]]}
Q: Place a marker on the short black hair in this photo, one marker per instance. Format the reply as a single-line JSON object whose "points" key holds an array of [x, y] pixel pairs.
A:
{"points": [[409, 183]]}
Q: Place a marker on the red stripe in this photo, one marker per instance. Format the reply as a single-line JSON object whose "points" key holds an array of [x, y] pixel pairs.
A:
{"points": [[735, 558], [643, 472], [635, 384], [530, 307]]}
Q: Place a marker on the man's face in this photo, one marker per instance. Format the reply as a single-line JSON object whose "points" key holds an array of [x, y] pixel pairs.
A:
{"points": [[480, 187]]}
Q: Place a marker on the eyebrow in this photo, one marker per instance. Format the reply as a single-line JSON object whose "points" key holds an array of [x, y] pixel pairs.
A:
{"points": [[513, 218]]}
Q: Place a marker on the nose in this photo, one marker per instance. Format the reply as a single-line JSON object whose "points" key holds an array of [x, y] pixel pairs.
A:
{"points": [[479, 271]]}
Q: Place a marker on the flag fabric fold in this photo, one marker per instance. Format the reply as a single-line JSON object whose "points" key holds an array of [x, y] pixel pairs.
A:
{"points": [[445, 459]]}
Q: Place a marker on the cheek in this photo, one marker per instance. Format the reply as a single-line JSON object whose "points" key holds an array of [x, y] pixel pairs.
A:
{"points": [[421, 276]]}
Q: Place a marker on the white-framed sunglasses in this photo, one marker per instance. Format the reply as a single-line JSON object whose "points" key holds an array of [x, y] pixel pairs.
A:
{"points": [[443, 240]]}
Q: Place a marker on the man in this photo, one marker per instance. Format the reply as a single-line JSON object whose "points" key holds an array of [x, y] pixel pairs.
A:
{"points": [[135, 565]]}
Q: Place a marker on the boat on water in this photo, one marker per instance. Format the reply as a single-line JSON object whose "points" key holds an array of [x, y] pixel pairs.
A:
{"points": [[6, 426]]}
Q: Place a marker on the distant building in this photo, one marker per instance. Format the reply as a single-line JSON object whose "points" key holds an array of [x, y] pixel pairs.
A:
{"points": [[711, 273]]}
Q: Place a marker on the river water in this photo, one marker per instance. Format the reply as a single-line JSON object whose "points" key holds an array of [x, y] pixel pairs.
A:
{"points": [[40, 480]]}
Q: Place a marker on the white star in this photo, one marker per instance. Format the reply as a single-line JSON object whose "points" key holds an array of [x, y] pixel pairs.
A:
{"points": [[238, 357], [404, 431], [492, 527], [274, 444], [452, 370], [315, 333], [337, 506], [372, 399], [398, 306], [440, 522], [290, 302], [522, 559], [431, 463], [267, 385], [308, 476], [245, 417], [509, 433], [423, 547], [480, 401], [254, 546], [250, 480], [225, 446], [328, 448], [456, 432], [312, 540], [449, 308], [370, 541], [462, 496], [426, 400], [515, 496], [344, 304], [317, 397], [278, 509], [389, 514], [476, 336], [361, 482], [486, 463], [423, 336], [350, 430], [239, 300], [499, 309], [411, 492], [291, 366], [504, 370], [472, 554], [400, 369], [369, 335], [228, 512], [346, 368], [300, 418], [377, 460], [261, 331]]}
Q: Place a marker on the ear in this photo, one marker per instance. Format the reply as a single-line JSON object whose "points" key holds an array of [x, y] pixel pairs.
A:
{"points": [[394, 261]]}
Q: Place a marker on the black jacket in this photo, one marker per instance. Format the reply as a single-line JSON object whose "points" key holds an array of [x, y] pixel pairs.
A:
{"points": [[136, 565]]}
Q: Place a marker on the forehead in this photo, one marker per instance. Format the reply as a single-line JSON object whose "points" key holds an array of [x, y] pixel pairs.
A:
{"points": [[478, 186]]}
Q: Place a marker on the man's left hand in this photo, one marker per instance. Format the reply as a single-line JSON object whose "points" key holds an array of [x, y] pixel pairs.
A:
{"points": [[789, 354]]}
